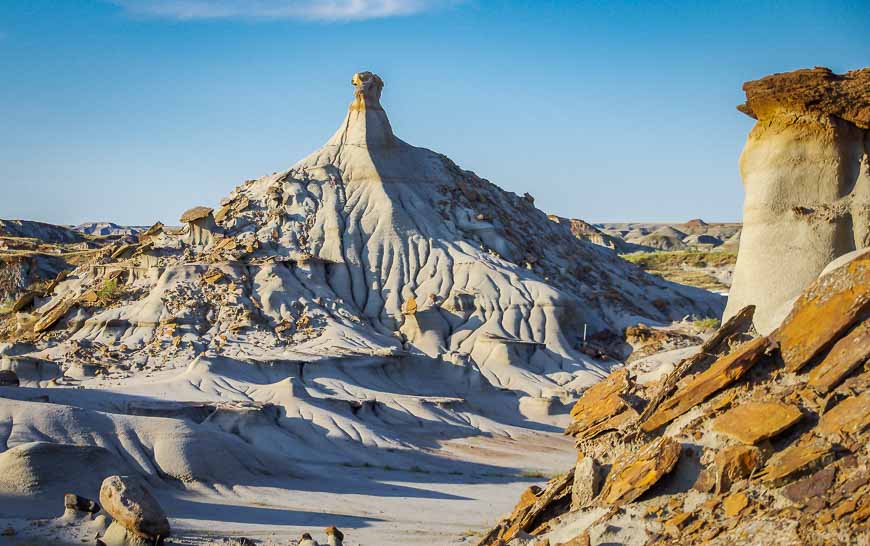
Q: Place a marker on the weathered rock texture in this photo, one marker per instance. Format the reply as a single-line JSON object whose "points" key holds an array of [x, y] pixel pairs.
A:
{"points": [[745, 446], [328, 312], [806, 175]]}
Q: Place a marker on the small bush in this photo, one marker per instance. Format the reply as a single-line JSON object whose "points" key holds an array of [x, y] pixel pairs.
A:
{"points": [[109, 291], [708, 324]]}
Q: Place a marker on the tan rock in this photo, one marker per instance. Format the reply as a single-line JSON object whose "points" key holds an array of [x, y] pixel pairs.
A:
{"points": [[587, 483], [850, 416], [54, 314], [630, 479], [600, 402], [130, 503], [735, 463], [796, 461], [722, 373], [824, 312], [734, 504], [753, 422], [844, 357], [846, 96], [196, 213]]}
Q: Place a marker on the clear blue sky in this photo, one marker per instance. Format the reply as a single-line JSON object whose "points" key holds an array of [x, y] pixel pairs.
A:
{"points": [[135, 110]]}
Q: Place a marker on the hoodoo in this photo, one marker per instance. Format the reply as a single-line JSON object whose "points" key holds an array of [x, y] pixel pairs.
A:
{"points": [[806, 174], [328, 313]]}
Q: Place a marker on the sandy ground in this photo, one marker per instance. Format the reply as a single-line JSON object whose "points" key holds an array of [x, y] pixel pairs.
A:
{"points": [[371, 505]]}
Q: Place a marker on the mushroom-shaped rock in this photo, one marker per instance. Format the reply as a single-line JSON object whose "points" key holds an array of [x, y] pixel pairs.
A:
{"points": [[334, 537], [804, 170], [138, 517], [201, 225]]}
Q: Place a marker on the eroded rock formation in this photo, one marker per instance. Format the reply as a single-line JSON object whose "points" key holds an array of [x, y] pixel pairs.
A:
{"points": [[806, 175], [731, 444]]}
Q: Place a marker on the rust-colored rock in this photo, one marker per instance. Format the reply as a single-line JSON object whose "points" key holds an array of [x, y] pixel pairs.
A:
{"points": [[722, 373], [824, 312], [734, 504], [753, 422], [633, 477], [735, 463], [599, 404], [796, 461], [846, 96], [845, 356], [850, 416]]}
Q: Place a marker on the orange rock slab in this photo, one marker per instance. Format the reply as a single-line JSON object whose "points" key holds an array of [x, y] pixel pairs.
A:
{"points": [[722, 373], [754, 422]]}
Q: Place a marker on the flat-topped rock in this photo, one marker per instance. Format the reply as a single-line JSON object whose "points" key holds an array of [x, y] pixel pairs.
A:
{"points": [[753, 422], [846, 96]]}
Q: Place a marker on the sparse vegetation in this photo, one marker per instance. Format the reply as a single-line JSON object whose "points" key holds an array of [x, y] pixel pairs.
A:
{"points": [[685, 266], [109, 291], [707, 323]]}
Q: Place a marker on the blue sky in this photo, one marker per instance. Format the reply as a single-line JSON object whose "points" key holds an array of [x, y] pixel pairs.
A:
{"points": [[134, 110]]}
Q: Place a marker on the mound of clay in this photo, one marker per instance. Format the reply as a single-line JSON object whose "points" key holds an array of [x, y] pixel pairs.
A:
{"points": [[806, 174], [765, 437], [664, 238], [329, 312]]}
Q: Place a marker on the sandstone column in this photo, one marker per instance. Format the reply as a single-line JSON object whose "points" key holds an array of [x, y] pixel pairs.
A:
{"points": [[806, 178]]}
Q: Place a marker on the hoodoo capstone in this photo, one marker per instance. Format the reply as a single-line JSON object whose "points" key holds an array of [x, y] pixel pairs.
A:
{"points": [[806, 174]]}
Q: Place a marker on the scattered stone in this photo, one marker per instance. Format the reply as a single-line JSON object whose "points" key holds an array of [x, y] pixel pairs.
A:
{"points": [[599, 403], [796, 461], [850, 416], [71, 501], [845, 356], [813, 486], [631, 479], [753, 422], [587, 483], [735, 463], [132, 506], [722, 373], [735, 503]]}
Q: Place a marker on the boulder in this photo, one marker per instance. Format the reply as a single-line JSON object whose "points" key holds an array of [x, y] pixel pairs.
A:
{"points": [[132, 506], [587, 482], [807, 192]]}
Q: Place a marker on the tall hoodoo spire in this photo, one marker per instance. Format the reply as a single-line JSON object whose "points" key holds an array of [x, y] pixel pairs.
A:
{"points": [[366, 123]]}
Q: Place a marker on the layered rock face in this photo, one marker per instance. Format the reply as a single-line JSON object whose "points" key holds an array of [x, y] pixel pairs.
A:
{"points": [[806, 175], [731, 443]]}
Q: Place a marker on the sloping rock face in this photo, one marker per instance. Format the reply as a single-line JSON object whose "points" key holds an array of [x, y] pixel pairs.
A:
{"points": [[748, 445], [329, 308], [806, 175]]}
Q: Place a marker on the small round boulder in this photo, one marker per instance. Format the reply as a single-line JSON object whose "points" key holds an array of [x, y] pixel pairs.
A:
{"points": [[130, 503]]}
